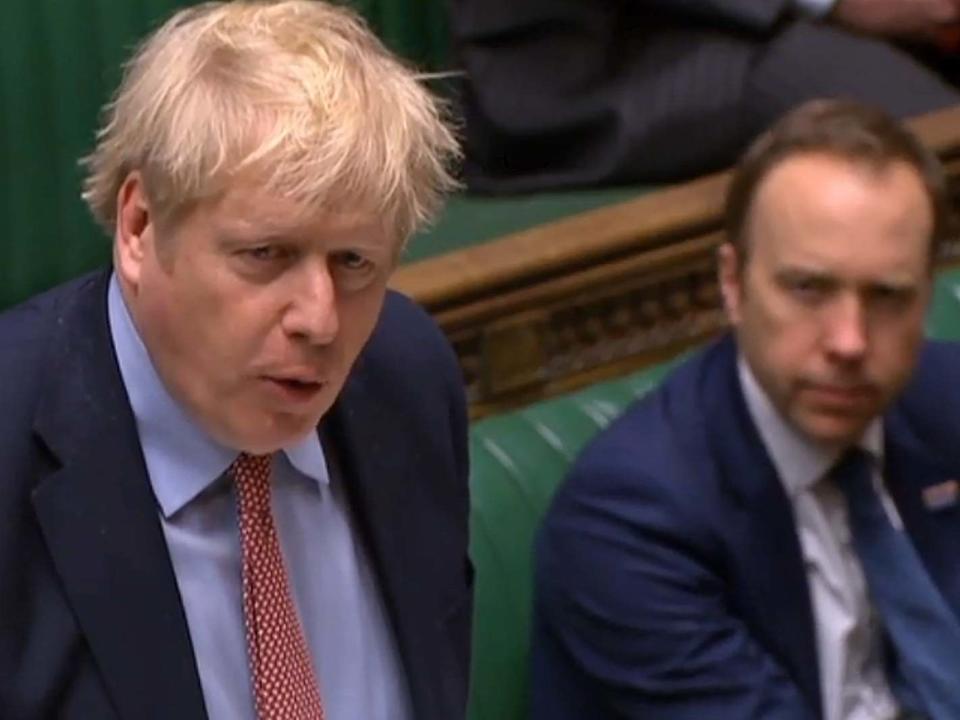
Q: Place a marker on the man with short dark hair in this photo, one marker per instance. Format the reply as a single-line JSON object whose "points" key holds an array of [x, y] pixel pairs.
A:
{"points": [[772, 534]]}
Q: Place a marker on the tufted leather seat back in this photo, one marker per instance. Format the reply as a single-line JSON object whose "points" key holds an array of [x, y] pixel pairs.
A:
{"points": [[517, 461]]}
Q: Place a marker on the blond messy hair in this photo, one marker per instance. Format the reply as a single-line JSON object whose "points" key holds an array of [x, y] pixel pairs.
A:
{"points": [[298, 93]]}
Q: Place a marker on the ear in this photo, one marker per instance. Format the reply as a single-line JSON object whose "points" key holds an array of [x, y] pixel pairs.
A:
{"points": [[729, 277], [134, 235]]}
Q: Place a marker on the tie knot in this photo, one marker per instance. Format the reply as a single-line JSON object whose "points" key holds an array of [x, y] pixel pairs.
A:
{"points": [[854, 461], [251, 468], [251, 475], [853, 474]]}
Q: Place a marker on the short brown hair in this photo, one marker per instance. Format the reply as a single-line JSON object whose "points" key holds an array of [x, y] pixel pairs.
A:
{"points": [[845, 129]]}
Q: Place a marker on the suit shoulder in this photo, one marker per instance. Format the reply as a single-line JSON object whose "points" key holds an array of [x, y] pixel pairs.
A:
{"points": [[645, 456], [939, 361], [32, 352], [407, 343], [28, 335], [932, 412], [645, 481], [401, 315], [639, 446], [656, 431], [938, 367], [657, 465]]}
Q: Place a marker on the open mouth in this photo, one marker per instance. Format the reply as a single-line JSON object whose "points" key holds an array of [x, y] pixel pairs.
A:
{"points": [[296, 390]]}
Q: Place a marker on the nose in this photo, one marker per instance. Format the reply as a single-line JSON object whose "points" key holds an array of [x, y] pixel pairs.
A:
{"points": [[846, 329], [313, 315]]}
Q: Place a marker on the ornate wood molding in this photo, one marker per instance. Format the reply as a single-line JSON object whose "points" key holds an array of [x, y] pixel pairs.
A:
{"points": [[599, 294]]}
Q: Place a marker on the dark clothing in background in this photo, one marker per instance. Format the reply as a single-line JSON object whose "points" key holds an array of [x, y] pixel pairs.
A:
{"points": [[581, 93]]}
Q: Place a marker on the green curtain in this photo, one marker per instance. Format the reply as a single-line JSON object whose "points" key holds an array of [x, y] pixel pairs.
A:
{"points": [[414, 29], [59, 62]]}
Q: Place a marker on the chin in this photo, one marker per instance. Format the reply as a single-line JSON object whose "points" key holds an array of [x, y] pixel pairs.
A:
{"points": [[281, 438], [839, 432], [264, 438]]}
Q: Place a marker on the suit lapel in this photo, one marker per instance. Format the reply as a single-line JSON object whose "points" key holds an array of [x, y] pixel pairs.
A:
{"points": [[101, 524], [386, 504], [777, 605], [912, 467]]}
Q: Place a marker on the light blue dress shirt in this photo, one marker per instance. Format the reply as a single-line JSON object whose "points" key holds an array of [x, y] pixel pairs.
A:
{"points": [[339, 602]]}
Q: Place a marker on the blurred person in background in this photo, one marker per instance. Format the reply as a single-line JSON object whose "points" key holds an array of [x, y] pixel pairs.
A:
{"points": [[586, 93]]}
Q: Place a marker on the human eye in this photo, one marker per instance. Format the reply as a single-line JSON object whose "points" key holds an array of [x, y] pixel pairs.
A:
{"points": [[891, 297], [353, 261], [262, 260], [807, 288], [265, 253], [353, 270]]}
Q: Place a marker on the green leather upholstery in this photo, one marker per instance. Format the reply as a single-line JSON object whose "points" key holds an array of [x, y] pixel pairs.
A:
{"points": [[471, 220], [517, 461], [943, 320]]}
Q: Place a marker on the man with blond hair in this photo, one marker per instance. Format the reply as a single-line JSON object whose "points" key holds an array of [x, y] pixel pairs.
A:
{"points": [[233, 466]]}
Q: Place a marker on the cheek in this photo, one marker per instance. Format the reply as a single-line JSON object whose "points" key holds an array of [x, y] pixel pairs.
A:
{"points": [[895, 347], [215, 333], [781, 350], [778, 333], [241, 339], [165, 324]]}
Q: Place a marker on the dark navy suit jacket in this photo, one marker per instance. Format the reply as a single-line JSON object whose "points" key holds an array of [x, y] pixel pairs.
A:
{"points": [[670, 580], [91, 623]]}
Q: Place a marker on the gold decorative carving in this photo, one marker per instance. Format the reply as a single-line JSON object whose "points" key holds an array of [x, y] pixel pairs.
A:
{"points": [[599, 294]]}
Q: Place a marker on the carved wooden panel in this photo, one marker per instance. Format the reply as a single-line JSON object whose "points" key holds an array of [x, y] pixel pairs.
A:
{"points": [[600, 294]]}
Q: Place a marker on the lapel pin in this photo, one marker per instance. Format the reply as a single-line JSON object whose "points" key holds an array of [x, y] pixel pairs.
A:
{"points": [[942, 495]]}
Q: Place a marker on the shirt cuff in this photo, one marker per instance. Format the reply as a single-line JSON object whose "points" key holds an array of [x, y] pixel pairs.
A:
{"points": [[815, 8]]}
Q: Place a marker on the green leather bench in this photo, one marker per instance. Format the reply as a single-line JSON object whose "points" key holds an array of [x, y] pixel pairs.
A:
{"points": [[517, 461], [470, 219]]}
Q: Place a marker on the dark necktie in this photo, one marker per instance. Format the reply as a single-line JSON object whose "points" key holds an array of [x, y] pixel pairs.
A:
{"points": [[924, 631]]}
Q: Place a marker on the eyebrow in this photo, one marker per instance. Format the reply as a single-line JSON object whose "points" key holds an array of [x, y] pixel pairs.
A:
{"points": [[794, 272], [899, 287], [231, 237]]}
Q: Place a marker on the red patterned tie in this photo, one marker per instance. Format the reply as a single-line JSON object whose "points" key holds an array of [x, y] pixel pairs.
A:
{"points": [[284, 683]]}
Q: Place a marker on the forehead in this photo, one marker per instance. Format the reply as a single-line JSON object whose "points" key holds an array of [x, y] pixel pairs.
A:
{"points": [[827, 208], [248, 212]]}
